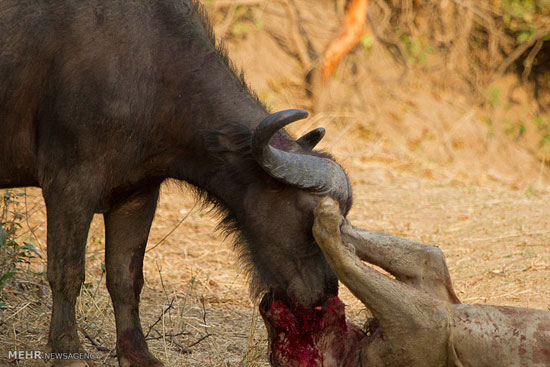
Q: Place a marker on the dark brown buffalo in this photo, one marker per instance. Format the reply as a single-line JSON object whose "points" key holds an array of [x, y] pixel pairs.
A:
{"points": [[101, 101]]}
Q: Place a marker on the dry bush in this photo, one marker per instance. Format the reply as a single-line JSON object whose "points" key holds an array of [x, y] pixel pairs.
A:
{"points": [[477, 40], [465, 76], [426, 157]]}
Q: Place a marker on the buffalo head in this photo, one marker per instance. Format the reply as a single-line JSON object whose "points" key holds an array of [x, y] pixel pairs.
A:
{"points": [[281, 182]]}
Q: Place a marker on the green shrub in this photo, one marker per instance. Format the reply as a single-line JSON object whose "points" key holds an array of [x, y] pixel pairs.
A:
{"points": [[12, 251]]}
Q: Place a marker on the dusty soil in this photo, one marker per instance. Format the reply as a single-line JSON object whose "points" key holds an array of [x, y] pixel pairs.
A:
{"points": [[425, 165]]}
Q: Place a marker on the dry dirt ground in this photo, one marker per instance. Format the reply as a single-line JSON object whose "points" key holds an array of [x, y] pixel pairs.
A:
{"points": [[425, 165]]}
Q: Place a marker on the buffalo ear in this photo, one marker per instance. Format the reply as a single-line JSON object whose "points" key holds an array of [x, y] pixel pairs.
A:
{"points": [[312, 138], [229, 142]]}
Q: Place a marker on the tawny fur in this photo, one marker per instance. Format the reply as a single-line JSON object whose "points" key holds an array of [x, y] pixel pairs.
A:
{"points": [[420, 320]]}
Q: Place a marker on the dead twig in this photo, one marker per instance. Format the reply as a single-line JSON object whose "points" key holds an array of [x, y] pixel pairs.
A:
{"points": [[167, 335], [301, 46], [200, 340], [395, 48], [516, 54], [530, 59], [182, 348], [173, 229], [170, 306], [96, 345], [207, 335]]}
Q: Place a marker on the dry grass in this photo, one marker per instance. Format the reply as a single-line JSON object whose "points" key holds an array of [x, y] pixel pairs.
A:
{"points": [[195, 305], [424, 165]]}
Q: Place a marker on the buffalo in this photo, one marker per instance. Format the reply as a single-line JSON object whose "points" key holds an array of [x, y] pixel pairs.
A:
{"points": [[102, 101]]}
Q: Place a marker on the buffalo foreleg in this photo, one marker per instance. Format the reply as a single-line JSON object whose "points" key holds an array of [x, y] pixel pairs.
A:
{"points": [[126, 231], [418, 265], [69, 216]]}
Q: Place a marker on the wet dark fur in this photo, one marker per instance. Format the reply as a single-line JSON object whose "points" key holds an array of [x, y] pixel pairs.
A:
{"points": [[231, 145], [105, 100]]}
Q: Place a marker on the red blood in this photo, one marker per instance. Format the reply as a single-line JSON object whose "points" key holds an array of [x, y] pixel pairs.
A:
{"points": [[317, 337]]}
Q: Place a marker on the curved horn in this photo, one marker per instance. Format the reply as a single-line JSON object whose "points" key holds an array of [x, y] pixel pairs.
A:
{"points": [[311, 139], [319, 174]]}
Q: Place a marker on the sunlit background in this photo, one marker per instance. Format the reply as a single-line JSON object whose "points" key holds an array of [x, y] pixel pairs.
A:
{"points": [[438, 110]]}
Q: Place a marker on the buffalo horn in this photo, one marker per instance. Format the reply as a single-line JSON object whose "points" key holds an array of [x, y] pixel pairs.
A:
{"points": [[318, 174], [311, 139]]}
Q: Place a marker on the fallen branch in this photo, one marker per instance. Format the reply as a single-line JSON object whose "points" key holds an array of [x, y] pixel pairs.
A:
{"points": [[200, 340], [170, 306], [96, 345], [182, 348]]}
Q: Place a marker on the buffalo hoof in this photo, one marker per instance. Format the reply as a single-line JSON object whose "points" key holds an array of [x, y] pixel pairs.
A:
{"points": [[132, 350]]}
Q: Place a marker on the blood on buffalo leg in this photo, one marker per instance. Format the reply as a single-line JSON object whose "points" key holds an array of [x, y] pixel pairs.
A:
{"points": [[126, 231], [69, 217], [415, 264]]}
